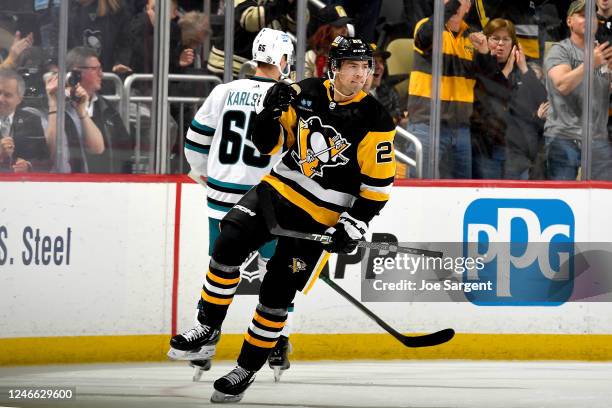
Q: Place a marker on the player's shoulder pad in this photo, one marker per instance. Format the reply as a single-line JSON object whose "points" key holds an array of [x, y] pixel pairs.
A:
{"points": [[378, 117]]}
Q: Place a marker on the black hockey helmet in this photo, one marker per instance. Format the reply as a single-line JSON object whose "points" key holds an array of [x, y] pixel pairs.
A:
{"points": [[349, 48]]}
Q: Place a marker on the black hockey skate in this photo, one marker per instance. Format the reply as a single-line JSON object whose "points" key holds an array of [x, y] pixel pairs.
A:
{"points": [[278, 359], [231, 387], [196, 345]]}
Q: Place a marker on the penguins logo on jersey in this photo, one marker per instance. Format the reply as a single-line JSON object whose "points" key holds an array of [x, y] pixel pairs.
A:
{"points": [[319, 146]]}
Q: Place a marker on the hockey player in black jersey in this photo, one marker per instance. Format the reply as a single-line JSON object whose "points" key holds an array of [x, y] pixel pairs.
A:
{"points": [[334, 177]]}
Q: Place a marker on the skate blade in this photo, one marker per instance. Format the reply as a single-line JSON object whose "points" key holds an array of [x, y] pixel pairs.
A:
{"points": [[205, 353], [199, 366], [278, 372], [219, 397]]}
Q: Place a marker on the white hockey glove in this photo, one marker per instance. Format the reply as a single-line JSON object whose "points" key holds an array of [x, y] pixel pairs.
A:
{"points": [[346, 234]]}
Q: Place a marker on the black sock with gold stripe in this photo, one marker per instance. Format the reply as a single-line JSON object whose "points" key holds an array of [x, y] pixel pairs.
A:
{"points": [[261, 337], [217, 293]]}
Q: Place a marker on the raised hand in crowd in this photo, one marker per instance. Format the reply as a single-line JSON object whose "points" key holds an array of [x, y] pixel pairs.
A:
{"points": [[521, 61], [19, 45], [80, 101], [94, 141], [602, 55], [186, 58], [122, 69], [479, 41]]}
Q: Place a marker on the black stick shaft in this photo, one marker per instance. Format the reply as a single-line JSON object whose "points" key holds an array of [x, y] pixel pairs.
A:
{"points": [[361, 307], [425, 340], [382, 246]]}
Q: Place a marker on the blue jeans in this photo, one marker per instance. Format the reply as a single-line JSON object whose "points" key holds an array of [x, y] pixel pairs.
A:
{"points": [[486, 167], [455, 158], [601, 160], [564, 156]]}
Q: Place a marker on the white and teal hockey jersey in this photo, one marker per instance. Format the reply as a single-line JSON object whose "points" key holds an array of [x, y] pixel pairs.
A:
{"points": [[218, 143]]}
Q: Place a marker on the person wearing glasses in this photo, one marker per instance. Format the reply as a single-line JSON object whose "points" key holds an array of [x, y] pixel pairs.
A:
{"points": [[96, 139], [504, 126], [22, 139]]}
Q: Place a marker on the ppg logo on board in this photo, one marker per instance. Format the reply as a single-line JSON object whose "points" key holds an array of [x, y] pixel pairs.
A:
{"points": [[527, 246]]}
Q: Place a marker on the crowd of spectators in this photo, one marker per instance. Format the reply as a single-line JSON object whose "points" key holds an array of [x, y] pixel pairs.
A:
{"points": [[511, 85]]}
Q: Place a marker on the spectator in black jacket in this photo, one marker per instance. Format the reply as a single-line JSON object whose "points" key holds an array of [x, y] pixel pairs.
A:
{"points": [[141, 39], [505, 131], [102, 25], [23, 147]]}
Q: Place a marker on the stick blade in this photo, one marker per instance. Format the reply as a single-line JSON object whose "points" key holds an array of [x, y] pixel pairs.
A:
{"points": [[429, 340]]}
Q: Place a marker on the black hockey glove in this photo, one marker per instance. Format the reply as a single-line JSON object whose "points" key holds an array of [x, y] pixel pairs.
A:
{"points": [[346, 234], [278, 98]]}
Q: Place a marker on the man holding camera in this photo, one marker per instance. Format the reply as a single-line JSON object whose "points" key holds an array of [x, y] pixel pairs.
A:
{"points": [[96, 139], [22, 139]]}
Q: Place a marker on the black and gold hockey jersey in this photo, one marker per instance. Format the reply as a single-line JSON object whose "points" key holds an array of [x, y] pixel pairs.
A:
{"points": [[339, 156], [250, 16]]}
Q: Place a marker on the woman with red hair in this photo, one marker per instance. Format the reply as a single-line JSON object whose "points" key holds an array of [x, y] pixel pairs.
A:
{"points": [[335, 22]]}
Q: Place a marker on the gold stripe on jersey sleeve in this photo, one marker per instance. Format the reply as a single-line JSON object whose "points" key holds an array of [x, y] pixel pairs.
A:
{"points": [[259, 343], [416, 28], [376, 156], [453, 89], [268, 323], [320, 214], [374, 195], [215, 300], [289, 122], [317, 271], [222, 281], [457, 44]]}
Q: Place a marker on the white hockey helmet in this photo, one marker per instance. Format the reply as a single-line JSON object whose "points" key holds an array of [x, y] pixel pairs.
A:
{"points": [[270, 46]]}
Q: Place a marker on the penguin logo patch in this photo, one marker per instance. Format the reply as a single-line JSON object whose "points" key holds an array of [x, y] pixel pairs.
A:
{"points": [[319, 146], [297, 265]]}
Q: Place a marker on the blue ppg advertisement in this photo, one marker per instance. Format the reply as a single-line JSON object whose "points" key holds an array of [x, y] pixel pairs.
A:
{"points": [[528, 249]]}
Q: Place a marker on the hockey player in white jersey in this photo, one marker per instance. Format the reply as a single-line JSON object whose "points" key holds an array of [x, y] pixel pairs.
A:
{"points": [[218, 146]]}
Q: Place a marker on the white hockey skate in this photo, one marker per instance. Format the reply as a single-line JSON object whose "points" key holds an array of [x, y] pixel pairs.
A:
{"points": [[278, 359], [196, 345], [231, 387]]}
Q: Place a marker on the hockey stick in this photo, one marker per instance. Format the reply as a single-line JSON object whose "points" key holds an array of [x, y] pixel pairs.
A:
{"points": [[426, 340], [275, 229]]}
